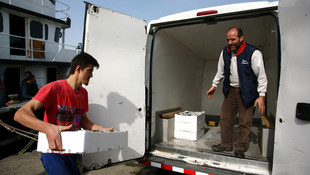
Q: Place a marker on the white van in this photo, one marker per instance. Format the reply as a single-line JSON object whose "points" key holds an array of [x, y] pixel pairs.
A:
{"points": [[147, 71]]}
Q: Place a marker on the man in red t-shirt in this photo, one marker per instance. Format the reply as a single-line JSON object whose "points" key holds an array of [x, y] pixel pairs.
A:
{"points": [[66, 104]]}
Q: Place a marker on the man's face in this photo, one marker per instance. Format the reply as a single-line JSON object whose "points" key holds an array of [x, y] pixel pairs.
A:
{"points": [[234, 42], [27, 75], [32, 80], [86, 74]]}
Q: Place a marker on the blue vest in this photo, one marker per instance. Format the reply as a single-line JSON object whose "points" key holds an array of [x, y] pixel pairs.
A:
{"points": [[247, 79]]}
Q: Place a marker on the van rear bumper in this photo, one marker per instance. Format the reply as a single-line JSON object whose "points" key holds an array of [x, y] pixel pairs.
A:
{"points": [[183, 167]]}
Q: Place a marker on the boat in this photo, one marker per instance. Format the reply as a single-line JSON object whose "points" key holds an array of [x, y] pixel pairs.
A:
{"points": [[32, 38]]}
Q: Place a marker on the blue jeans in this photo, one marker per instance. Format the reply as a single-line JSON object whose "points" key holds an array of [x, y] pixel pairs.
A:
{"points": [[55, 164]]}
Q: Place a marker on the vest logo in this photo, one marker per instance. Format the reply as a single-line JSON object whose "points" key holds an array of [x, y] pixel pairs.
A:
{"points": [[244, 62]]}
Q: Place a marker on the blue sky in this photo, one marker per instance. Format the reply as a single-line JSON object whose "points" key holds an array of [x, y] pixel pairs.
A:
{"points": [[143, 9]]}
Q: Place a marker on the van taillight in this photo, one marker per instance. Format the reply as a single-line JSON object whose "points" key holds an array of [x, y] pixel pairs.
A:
{"points": [[209, 12]]}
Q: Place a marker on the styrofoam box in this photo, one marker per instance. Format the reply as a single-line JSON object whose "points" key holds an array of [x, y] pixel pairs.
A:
{"points": [[267, 141], [189, 125], [86, 141], [188, 135], [192, 123]]}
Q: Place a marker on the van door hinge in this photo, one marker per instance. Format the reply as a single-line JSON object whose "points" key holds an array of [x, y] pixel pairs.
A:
{"points": [[94, 9]]}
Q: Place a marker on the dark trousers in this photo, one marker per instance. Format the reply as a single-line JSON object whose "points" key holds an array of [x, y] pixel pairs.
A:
{"points": [[233, 104]]}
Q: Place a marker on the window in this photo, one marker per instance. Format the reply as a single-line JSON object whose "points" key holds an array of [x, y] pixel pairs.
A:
{"points": [[57, 34], [36, 29], [46, 32], [53, 1], [17, 28]]}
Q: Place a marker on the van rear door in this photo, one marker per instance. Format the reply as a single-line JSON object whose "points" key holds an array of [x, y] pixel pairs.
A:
{"points": [[291, 148], [116, 91]]}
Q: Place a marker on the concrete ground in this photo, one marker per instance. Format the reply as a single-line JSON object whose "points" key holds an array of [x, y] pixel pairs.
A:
{"points": [[30, 164]]}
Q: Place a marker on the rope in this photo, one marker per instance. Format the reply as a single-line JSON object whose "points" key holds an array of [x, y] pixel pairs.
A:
{"points": [[19, 131], [26, 147]]}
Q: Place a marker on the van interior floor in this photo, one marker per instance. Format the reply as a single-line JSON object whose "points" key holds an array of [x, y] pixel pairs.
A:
{"points": [[212, 137], [202, 150]]}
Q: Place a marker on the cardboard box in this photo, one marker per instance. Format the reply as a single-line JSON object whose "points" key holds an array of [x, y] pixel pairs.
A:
{"points": [[189, 125], [85, 141], [212, 120]]}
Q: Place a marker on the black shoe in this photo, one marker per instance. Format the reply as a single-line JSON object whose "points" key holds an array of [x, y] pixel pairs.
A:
{"points": [[239, 154], [220, 148]]}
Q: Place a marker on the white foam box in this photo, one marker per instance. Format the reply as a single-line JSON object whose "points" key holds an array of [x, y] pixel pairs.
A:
{"points": [[189, 127], [184, 135], [267, 142], [85, 141]]}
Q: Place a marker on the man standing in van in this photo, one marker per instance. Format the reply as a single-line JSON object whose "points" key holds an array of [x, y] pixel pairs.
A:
{"points": [[65, 103], [244, 87]]}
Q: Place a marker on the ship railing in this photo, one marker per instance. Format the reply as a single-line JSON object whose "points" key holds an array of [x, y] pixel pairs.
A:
{"points": [[52, 51], [59, 10], [63, 11]]}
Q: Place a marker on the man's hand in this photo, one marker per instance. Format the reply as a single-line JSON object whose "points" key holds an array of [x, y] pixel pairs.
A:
{"points": [[261, 104], [100, 128], [108, 129], [53, 135], [210, 92]]}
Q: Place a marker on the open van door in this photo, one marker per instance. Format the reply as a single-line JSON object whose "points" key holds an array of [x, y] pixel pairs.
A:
{"points": [[117, 90], [291, 149]]}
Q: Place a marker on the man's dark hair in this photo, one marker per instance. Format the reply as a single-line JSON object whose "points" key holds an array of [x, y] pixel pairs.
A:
{"points": [[83, 59], [28, 72], [240, 32]]}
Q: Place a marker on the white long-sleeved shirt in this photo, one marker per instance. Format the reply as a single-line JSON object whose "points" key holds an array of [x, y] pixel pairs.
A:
{"points": [[257, 64]]}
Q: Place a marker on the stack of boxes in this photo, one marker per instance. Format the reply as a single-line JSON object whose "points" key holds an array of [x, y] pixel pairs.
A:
{"points": [[189, 125]]}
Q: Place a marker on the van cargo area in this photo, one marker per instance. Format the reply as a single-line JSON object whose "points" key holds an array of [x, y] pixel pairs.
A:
{"points": [[154, 77], [184, 62]]}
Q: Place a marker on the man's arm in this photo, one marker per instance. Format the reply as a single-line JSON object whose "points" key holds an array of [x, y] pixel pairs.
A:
{"points": [[25, 116], [218, 77], [89, 125], [220, 71], [259, 71]]}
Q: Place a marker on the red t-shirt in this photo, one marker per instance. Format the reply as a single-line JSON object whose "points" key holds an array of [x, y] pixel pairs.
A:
{"points": [[63, 105]]}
